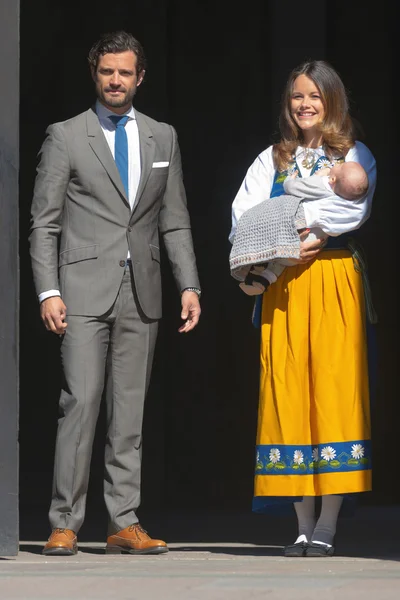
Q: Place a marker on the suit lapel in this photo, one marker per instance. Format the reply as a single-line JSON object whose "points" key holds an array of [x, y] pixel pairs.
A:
{"points": [[101, 149], [147, 149]]}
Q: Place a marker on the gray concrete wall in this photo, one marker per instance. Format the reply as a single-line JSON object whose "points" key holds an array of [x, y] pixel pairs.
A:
{"points": [[9, 274]]}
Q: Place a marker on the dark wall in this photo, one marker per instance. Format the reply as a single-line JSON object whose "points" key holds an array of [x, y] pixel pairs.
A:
{"points": [[216, 74], [9, 71]]}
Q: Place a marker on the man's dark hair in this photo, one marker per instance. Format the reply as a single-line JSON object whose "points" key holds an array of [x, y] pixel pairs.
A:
{"points": [[113, 43]]}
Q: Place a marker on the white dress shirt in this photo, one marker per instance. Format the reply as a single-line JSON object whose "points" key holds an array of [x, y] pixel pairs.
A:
{"points": [[132, 133], [134, 167], [334, 215]]}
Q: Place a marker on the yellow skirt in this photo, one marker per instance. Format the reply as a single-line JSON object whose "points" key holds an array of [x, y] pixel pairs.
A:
{"points": [[314, 433]]}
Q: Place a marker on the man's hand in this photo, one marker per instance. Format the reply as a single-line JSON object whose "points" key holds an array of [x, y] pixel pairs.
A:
{"points": [[190, 311], [53, 312], [309, 250]]}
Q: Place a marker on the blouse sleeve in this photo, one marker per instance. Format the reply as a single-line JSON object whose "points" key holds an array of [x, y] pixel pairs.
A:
{"points": [[336, 215], [256, 187]]}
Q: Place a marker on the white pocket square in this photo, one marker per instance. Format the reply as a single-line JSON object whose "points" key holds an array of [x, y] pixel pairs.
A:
{"points": [[157, 165]]}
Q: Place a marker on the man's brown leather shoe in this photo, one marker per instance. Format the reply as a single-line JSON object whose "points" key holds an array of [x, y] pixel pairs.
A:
{"points": [[135, 540], [62, 542]]}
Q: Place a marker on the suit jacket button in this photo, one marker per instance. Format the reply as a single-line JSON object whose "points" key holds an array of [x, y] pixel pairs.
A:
{"points": [[129, 228], [122, 263]]}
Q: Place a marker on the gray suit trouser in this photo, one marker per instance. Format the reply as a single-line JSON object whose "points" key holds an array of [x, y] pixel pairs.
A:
{"points": [[124, 342]]}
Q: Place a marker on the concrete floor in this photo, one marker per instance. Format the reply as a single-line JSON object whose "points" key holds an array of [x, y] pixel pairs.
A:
{"points": [[225, 563]]}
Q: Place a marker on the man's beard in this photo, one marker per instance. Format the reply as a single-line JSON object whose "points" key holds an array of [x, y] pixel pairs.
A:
{"points": [[123, 99]]}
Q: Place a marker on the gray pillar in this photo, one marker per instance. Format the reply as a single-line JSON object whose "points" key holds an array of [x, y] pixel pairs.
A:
{"points": [[9, 275]]}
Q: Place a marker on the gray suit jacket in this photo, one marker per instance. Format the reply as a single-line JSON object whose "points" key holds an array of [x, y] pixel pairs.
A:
{"points": [[82, 224]]}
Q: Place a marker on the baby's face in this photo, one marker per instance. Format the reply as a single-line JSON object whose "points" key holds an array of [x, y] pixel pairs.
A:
{"points": [[334, 174], [336, 170]]}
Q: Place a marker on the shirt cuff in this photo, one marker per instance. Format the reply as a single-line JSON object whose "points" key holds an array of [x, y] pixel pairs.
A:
{"points": [[48, 294]]}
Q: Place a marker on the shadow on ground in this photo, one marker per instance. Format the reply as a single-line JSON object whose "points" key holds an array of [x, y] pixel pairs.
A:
{"points": [[373, 532]]}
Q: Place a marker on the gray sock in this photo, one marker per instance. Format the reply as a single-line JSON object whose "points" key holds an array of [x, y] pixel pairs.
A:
{"points": [[325, 528], [305, 512]]}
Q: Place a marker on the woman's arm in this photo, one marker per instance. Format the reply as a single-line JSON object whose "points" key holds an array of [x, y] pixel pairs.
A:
{"points": [[256, 187]]}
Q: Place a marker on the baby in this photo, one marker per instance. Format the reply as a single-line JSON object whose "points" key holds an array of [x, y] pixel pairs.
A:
{"points": [[347, 180]]}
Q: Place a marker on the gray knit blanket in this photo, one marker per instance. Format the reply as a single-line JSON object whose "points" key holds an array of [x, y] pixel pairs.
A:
{"points": [[266, 232]]}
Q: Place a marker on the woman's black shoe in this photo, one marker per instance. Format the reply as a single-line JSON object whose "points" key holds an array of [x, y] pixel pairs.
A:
{"points": [[319, 550], [296, 550]]}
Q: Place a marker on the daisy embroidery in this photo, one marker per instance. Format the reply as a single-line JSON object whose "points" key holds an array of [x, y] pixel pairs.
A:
{"points": [[274, 455], [357, 451], [324, 164], [298, 457], [315, 454], [328, 453]]}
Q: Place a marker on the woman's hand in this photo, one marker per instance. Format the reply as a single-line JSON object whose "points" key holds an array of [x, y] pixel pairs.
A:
{"points": [[309, 250]]}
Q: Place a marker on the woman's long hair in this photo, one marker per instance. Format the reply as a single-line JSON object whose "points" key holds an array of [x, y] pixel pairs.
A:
{"points": [[337, 128]]}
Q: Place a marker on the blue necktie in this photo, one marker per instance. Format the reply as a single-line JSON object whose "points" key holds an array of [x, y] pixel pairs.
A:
{"points": [[121, 149]]}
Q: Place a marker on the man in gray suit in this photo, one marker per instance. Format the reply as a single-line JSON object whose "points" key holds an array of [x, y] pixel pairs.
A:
{"points": [[109, 182]]}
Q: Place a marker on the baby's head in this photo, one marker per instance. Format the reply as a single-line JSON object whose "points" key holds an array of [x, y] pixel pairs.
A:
{"points": [[349, 180]]}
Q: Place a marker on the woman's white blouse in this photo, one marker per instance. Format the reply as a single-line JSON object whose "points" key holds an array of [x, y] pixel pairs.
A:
{"points": [[333, 215]]}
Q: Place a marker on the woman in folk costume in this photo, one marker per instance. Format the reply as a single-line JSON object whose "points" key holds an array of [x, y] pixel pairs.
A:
{"points": [[314, 433]]}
